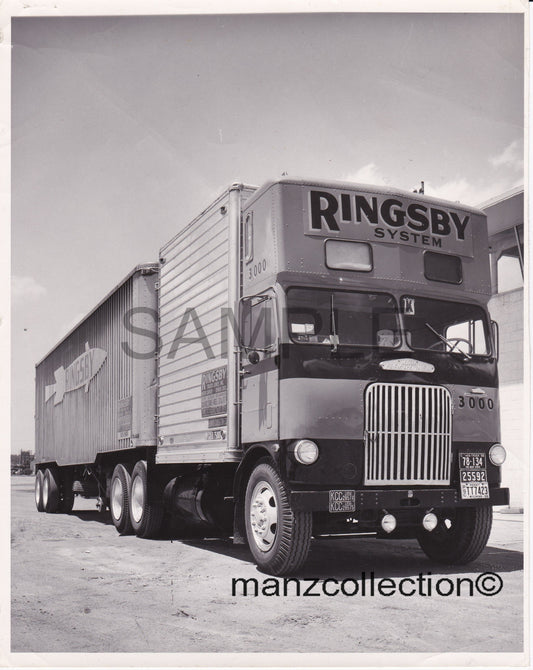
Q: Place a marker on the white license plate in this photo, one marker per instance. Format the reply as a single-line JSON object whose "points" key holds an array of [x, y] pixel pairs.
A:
{"points": [[342, 501], [473, 476], [470, 491]]}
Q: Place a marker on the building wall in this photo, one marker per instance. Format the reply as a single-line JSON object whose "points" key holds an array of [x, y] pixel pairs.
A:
{"points": [[505, 216], [507, 310]]}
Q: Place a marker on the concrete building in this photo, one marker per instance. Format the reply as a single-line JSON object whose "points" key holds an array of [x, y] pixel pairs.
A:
{"points": [[505, 215]]}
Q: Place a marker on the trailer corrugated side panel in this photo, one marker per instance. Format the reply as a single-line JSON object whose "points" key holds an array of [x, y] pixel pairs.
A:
{"points": [[95, 391], [192, 368]]}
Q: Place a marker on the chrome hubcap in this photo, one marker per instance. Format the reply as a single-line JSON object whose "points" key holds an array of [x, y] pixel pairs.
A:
{"points": [[137, 499], [37, 490], [117, 499], [264, 515]]}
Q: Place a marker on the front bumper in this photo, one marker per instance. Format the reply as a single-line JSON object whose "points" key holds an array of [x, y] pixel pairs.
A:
{"points": [[372, 499]]}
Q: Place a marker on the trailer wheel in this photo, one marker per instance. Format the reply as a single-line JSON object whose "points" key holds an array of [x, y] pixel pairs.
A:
{"points": [[146, 517], [50, 491], [460, 536], [119, 500], [39, 490], [279, 538]]}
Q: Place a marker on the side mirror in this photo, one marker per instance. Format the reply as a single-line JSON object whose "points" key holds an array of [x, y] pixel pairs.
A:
{"points": [[495, 339], [253, 357], [257, 324]]}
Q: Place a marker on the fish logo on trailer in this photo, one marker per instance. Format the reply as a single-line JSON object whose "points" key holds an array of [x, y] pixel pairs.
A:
{"points": [[78, 374]]}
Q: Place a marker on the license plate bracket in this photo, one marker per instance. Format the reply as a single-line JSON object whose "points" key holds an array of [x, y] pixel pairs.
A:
{"points": [[341, 500], [473, 476]]}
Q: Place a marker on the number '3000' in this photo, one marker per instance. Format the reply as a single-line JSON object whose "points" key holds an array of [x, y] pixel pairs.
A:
{"points": [[476, 403], [256, 269]]}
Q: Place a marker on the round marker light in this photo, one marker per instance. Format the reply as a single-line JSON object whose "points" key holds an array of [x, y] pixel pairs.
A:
{"points": [[430, 521], [388, 523], [305, 452], [497, 454]]}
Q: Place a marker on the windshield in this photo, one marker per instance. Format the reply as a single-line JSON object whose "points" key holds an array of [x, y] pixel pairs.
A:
{"points": [[439, 325], [333, 317]]}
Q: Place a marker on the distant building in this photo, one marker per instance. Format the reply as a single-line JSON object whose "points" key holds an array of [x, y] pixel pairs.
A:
{"points": [[21, 463], [505, 215]]}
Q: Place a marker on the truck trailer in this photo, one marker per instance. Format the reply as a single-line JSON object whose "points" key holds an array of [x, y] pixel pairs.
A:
{"points": [[306, 359]]}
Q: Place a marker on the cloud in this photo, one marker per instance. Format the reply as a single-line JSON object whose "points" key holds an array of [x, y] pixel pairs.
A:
{"points": [[26, 288], [368, 174], [461, 190], [512, 156]]}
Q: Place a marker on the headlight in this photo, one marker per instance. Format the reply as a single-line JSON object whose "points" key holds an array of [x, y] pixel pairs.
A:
{"points": [[305, 452], [430, 521], [497, 454], [388, 523]]}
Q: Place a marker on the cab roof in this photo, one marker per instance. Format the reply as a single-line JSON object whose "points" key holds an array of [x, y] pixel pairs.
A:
{"points": [[367, 188]]}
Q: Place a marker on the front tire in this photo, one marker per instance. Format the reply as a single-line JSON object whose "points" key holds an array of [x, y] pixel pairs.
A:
{"points": [[279, 538], [119, 500], [460, 536], [146, 517], [39, 477]]}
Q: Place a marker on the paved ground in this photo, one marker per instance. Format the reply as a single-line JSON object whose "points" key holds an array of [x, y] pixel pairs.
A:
{"points": [[78, 586]]}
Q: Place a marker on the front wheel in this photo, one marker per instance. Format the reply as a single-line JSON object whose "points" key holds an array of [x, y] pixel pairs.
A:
{"points": [[279, 538], [460, 536]]}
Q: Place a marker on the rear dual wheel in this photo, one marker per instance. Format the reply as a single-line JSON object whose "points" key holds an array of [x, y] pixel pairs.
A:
{"points": [[39, 478], [132, 510], [119, 499], [50, 495], [146, 515], [53, 491]]}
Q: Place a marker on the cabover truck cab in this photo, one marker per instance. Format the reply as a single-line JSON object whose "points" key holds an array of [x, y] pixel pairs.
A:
{"points": [[320, 361]]}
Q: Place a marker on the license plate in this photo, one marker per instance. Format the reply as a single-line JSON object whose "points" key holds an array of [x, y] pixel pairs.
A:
{"points": [[342, 501], [473, 476], [471, 491]]}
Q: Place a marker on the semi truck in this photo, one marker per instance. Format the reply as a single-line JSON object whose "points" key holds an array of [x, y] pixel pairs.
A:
{"points": [[306, 359]]}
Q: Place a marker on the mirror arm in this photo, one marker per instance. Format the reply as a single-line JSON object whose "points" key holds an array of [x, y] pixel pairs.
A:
{"points": [[496, 339]]}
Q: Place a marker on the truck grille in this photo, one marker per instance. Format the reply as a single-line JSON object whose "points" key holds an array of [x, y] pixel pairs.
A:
{"points": [[407, 434]]}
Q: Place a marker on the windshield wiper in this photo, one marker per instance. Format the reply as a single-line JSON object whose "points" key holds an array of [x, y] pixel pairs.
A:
{"points": [[333, 337], [449, 342]]}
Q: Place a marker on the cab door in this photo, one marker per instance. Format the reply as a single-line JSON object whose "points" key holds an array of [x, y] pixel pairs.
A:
{"points": [[259, 368]]}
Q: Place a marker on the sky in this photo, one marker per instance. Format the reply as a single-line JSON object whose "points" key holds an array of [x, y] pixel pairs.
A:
{"points": [[125, 128]]}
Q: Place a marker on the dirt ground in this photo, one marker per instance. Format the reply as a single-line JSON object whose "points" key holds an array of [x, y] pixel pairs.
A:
{"points": [[78, 586]]}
